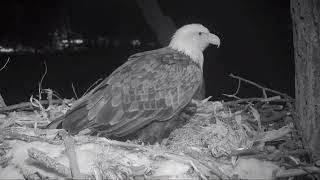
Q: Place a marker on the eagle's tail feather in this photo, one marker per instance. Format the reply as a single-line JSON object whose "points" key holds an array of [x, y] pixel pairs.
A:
{"points": [[76, 120], [73, 121], [56, 124]]}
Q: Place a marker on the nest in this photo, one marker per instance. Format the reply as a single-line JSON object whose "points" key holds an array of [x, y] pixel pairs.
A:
{"points": [[252, 138]]}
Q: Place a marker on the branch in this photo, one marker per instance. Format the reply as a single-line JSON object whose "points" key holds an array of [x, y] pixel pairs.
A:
{"points": [[264, 89], [273, 99], [28, 105], [74, 91], [48, 162], [297, 172], [9, 134], [5, 64], [42, 77], [71, 153]]}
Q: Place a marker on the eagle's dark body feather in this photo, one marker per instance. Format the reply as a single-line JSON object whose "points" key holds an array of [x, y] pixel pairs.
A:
{"points": [[151, 86]]}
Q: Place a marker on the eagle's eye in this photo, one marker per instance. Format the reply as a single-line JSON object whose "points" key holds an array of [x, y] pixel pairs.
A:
{"points": [[199, 33]]}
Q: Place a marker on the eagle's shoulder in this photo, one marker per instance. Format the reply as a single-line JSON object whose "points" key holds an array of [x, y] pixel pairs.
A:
{"points": [[164, 55]]}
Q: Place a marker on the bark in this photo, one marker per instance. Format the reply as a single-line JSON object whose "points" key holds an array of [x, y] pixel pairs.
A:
{"points": [[162, 25], [306, 29]]}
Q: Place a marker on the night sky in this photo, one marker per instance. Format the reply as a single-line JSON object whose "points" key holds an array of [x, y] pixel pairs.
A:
{"points": [[256, 43]]}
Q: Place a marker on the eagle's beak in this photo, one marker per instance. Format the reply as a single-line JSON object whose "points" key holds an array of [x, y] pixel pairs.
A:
{"points": [[213, 39]]}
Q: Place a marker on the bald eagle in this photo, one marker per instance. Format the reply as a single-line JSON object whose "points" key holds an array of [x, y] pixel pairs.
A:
{"points": [[151, 86]]}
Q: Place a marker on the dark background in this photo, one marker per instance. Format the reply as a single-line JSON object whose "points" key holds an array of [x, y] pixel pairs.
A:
{"points": [[256, 43]]}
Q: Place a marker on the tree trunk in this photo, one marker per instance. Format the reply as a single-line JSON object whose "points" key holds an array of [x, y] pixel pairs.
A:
{"points": [[306, 34], [161, 25]]}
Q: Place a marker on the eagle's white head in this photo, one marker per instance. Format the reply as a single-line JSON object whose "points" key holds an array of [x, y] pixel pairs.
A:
{"points": [[192, 40]]}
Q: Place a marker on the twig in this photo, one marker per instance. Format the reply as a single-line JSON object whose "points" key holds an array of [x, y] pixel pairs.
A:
{"points": [[74, 91], [54, 93], [40, 83], [97, 81], [231, 96], [245, 152], [5, 64], [297, 172], [48, 162], [276, 155], [273, 99], [27, 105], [234, 95], [49, 98], [71, 153], [10, 134], [264, 89]]}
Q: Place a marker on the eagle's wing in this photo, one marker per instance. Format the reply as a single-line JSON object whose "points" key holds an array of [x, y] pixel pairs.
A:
{"points": [[150, 86]]}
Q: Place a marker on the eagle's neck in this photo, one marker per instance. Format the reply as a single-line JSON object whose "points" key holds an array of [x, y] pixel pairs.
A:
{"points": [[190, 50]]}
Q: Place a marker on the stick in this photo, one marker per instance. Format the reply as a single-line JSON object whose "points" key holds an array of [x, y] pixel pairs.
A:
{"points": [[74, 91], [273, 99], [27, 105], [9, 134], [5, 64], [48, 162], [261, 87], [297, 172], [90, 88], [71, 153], [42, 77], [257, 154], [49, 98]]}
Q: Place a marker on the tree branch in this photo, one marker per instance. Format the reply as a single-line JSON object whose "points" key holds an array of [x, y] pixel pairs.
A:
{"points": [[264, 89]]}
